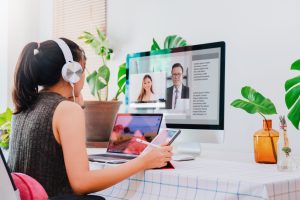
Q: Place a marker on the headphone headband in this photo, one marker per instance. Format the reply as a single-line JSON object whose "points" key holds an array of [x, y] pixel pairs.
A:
{"points": [[65, 49], [72, 70]]}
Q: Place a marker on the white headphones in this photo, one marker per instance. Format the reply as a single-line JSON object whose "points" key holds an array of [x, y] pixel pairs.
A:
{"points": [[72, 70]]}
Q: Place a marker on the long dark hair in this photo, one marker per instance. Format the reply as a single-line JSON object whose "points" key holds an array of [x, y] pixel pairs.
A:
{"points": [[39, 69], [143, 91]]}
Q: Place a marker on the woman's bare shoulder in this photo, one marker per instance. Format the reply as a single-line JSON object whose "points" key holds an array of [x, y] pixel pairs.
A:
{"points": [[68, 108]]}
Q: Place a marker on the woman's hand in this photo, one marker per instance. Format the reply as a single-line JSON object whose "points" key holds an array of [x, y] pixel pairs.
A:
{"points": [[157, 157]]}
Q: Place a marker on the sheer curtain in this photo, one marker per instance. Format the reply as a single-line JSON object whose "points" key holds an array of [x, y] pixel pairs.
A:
{"points": [[3, 55]]}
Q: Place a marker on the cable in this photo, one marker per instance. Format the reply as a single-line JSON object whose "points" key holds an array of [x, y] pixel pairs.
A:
{"points": [[73, 92]]}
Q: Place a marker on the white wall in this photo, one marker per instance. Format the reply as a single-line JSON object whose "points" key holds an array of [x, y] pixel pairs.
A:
{"points": [[262, 40], [3, 55], [28, 21]]}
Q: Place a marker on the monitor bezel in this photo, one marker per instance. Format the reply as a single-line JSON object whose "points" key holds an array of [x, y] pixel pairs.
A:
{"points": [[220, 45]]}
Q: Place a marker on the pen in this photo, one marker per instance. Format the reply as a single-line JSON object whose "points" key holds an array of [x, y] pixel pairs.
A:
{"points": [[147, 143]]}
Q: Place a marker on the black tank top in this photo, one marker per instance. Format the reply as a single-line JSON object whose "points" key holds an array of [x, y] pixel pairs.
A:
{"points": [[33, 149]]}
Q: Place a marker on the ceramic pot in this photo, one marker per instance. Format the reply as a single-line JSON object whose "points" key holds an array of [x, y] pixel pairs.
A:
{"points": [[99, 119]]}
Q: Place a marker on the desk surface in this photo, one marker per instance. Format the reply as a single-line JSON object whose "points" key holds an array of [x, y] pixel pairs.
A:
{"points": [[208, 178]]}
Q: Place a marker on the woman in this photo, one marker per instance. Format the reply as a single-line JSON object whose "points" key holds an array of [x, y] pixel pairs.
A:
{"points": [[147, 93], [48, 130]]}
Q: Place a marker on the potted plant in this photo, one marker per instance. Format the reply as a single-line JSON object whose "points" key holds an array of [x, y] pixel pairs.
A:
{"points": [[292, 94], [100, 114], [265, 140], [171, 41], [96, 112], [5, 128]]}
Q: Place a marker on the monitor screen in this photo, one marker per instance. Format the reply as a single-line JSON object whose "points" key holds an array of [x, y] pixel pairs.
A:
{"points": [[129, 127], [185, 83]]}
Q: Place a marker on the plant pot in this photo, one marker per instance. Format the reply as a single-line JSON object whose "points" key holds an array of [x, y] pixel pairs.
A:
{"points": [[99, 119], [265, 144]]}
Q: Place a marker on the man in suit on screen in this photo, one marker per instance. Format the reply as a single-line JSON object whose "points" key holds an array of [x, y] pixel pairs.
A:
{"points": [[178, 90]]}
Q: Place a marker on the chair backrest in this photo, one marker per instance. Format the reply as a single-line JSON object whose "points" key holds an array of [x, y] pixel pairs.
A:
{"points": [[8, 190]]}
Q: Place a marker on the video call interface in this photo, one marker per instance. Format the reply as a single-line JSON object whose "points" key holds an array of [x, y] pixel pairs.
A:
{"points": [[128, 128], [184, 86]]}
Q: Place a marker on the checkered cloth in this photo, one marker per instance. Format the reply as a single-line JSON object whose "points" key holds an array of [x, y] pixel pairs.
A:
{"points": [[208, 179]]}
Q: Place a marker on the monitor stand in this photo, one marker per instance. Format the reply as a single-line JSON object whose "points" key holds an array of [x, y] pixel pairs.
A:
{"points": [[189, 141], [189, 148]]}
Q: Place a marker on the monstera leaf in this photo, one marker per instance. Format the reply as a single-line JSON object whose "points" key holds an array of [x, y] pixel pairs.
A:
{"points": [[254, 102], [171, 41], [121, 80], [98, 80], [292, 101]]}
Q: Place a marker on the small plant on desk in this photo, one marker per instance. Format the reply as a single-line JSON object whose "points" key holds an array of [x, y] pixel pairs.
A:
{"points": [[255, 102], [285, 162]]}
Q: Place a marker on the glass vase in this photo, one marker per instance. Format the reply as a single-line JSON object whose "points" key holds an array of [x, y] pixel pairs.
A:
{"points": [[285, 161], [280, 153], [265, 144]]}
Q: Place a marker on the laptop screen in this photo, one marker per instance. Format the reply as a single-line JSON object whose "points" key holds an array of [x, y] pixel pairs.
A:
{"points": [[128, 127]]}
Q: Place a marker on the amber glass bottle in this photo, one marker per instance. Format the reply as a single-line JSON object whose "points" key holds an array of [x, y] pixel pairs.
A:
{"points": [[265, 144]]}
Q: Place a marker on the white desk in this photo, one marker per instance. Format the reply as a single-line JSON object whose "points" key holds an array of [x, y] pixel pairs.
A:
{"points": [[208, 179]]}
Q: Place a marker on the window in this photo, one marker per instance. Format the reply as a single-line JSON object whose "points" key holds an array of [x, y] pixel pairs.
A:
{"points": [[71, 18]]}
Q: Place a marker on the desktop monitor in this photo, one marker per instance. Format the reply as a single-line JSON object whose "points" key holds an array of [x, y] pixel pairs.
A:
{"points": [[186, 84]]}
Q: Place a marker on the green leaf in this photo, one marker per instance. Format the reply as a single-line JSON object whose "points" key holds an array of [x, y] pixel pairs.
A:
{"points": [[94, 83], [4, 142], [296, 65], [291, 82], [256, 103], [294, 114], [5, 116], [5, 127], [104, 72], [154, 46], [99, 43], [182, 43], [248, 107], [169, 39], [173, 41], [101, 35], [291, 96], [292, 100], [122, 78], [286, 150]]}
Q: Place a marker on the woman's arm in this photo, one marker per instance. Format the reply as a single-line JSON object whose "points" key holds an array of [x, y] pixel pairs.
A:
{"points": [[69, 130]]}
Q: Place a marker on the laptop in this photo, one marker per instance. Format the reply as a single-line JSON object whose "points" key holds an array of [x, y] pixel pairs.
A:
{"points": [[8, 190], [122, 145]]}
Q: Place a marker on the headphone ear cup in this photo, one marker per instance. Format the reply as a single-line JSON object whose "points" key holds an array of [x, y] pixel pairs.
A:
{"points": [[71, 72]]}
